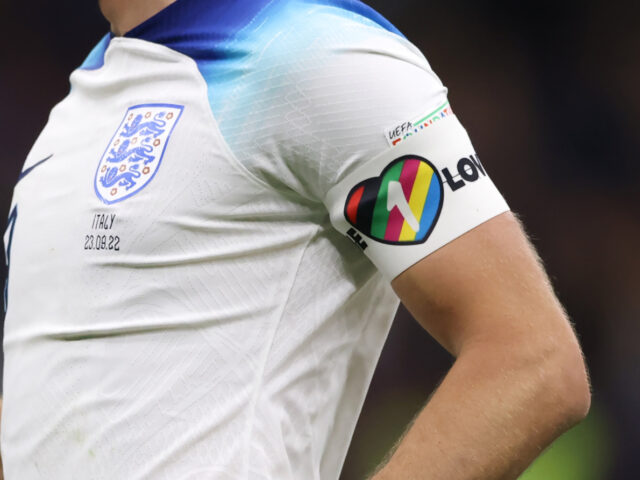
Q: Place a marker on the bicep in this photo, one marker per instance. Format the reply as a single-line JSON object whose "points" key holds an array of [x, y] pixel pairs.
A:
{"points": [[485, 286]]}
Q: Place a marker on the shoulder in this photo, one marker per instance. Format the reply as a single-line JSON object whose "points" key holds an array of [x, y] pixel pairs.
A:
{"points": [[318, 91]]}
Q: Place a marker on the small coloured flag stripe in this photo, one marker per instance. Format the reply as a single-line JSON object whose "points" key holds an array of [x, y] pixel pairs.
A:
{"points": [[352, 207], [417, 200], [396, 220], [380, 212]]}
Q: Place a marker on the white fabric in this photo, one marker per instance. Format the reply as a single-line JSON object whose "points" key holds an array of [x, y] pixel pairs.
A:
{"points": [[233, 333], [463, 207]]}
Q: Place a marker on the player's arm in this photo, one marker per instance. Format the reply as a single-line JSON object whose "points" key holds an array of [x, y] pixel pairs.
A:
{"points": [[519, 378], [399, 176]]}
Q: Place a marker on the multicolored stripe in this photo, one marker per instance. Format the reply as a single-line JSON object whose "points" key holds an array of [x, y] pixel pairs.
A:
{"points": [[367, 207]]}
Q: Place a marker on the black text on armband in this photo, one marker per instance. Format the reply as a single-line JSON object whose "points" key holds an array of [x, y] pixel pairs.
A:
{"points": [[102, 236], [469, 169]]}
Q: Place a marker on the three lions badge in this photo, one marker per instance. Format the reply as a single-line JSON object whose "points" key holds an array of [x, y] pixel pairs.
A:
{"points": [[135, 152]]}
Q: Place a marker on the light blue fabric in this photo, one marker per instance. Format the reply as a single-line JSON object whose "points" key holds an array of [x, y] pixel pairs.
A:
{"points": [[95, 60], [224, 36]]}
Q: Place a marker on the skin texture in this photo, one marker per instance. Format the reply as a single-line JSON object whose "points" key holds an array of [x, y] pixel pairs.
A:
{"points": [[519, 379], [127, 14]]}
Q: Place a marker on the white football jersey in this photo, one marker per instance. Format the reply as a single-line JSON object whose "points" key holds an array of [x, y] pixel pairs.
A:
{"points": [[202, 240]]}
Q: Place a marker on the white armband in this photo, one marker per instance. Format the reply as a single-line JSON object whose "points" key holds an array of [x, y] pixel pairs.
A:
{"points": [[415, 198]]}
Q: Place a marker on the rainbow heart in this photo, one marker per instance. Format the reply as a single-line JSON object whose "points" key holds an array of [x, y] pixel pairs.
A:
{"points": [[399, 207]]}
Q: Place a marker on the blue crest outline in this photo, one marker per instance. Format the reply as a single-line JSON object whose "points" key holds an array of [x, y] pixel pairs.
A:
{"points": [[124, 118]]}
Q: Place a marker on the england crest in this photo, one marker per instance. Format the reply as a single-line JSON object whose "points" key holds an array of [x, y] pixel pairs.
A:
{"points": [[135, 152]]}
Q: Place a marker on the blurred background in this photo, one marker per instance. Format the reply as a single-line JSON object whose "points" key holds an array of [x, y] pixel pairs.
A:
{"points": [[550, 94]]}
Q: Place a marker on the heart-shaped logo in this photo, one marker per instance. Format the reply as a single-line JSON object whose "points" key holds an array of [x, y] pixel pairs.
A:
{"points": [[399, 207]]}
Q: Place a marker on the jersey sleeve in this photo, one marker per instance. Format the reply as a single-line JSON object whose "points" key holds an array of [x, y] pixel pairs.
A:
{"points": [[425, 187], [351, 115], [415, 198]]}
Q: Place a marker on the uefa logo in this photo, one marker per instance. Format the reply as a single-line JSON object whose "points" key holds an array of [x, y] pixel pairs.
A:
{"points": [[135, 152]]}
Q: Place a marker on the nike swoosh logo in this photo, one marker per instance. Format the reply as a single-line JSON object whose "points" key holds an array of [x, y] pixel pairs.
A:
{"points": [[27, 171]]}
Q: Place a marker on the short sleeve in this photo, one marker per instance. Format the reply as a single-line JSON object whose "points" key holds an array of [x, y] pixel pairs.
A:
{"points": [[415, 197], [351, 115]]}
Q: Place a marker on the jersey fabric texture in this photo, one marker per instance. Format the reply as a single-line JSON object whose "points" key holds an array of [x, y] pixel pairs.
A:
{"points": [[201, 242]]}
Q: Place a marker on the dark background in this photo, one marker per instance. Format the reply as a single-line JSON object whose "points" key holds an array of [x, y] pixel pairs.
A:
{"points": [[549, 91]]}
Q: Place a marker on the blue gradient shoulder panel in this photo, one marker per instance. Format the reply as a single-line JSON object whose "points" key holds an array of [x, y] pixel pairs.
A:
{"points": [[362, 10], [207, 28], [224, 36], [228, 38]]}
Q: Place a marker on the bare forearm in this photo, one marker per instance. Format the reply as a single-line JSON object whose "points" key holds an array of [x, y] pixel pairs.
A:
{"points": [[490, 418]]}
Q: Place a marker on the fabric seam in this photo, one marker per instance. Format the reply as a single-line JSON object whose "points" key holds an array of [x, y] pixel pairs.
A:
{"points": [[267, 353]]}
